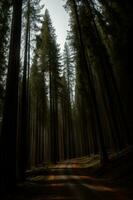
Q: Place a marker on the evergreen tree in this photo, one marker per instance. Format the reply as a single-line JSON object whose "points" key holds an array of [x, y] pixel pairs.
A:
{"points": [[4, 36], [9, 123], [32, 18], [49, 59], [68, 92], [39, 111]]}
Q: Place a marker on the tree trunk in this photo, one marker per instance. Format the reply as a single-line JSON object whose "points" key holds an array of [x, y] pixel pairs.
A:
{"points": [[9, 123]]}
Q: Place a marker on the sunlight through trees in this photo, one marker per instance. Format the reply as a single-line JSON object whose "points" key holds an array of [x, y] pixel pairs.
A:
{"points": [[56, 105]]}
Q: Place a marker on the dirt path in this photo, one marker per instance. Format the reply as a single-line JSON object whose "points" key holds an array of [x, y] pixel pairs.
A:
{"points": [[69, 182]]}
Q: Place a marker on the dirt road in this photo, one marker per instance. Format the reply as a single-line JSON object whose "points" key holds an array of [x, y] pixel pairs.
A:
{"points": [[69, 182]]}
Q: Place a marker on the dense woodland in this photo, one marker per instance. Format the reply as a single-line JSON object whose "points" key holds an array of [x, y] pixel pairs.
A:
{"points": [[58, 105]]}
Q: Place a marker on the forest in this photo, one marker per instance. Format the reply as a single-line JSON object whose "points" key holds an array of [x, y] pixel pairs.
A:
{"points": [[66, 117]]}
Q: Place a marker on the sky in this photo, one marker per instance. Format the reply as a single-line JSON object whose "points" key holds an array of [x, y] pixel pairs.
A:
{"points": [[59, 19]]}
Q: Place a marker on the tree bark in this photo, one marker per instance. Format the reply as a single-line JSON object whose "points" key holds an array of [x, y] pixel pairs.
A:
{"points": [[9, 123]]}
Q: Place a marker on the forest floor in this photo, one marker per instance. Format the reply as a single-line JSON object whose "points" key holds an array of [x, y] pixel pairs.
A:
{"points": [[81, 179]]}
